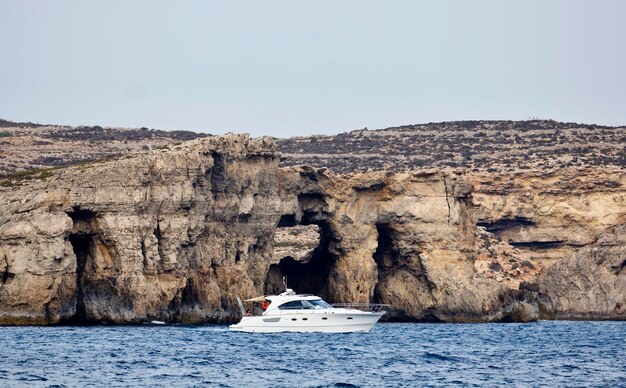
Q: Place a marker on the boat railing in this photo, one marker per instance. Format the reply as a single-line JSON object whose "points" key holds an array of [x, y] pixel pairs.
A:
{"points": [[370, 307]]}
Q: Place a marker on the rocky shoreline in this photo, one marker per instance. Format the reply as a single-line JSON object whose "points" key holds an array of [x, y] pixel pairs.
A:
{"points": [[175, 234]]}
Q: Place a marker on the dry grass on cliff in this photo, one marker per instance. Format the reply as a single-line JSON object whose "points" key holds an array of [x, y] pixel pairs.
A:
{"points": [[491, 146], [28, 147], [480, 146]]}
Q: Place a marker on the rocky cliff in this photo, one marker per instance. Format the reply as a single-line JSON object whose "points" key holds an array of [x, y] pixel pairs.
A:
{"points": [[439, 246], [176, 234], [171, 235]]}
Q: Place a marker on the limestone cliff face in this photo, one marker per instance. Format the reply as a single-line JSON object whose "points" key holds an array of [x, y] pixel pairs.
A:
{"points": [[408, 240], [387, 236], [591, 284], [170, 235], [548, 216], [443, 247], [177, 234]]}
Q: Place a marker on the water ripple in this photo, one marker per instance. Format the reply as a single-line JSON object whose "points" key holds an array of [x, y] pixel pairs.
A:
{"points": [[537, 354]]}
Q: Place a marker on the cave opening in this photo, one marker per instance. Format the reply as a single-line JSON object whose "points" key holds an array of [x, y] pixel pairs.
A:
{"points": [[82, 244], [82, 240], [83, 220], [386, 252], [305, 257], [287, 220], [190, 295], [385, 256]]}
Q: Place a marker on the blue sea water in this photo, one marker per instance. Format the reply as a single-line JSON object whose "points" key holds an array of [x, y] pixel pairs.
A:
{"points": [[531, 354]]}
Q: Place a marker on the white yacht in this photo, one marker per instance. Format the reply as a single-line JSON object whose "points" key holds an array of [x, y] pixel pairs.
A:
{"points": [[308, 313]]}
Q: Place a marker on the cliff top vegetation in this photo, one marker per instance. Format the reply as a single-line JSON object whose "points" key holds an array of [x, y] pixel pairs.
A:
{"points": [[489, 146], [478, 146], [28, 146]]}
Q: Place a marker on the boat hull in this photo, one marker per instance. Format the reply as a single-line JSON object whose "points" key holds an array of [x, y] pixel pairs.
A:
{"points": [[336, 322]]}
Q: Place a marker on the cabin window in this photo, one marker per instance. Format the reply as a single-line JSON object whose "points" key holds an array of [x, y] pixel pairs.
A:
{"points": [[295, 305]]}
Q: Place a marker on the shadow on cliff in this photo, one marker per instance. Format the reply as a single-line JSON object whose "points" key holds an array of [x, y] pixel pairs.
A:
{"points": [[95, 292]]}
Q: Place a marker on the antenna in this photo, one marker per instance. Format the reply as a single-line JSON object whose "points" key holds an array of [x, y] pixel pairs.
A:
{"points": [[285, 281]]}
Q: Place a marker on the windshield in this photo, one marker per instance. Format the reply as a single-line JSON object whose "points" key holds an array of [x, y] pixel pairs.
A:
{"points": [[319, 304], [295, 305]]}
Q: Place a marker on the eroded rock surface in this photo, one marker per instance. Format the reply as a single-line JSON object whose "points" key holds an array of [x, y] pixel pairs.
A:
{"points": [[423, 242], [591, 284], [549, 216], [177, 234], [171, 235]]}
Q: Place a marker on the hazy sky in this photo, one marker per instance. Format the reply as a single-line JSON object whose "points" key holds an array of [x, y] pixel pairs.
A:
{"points": [[291, 67]]}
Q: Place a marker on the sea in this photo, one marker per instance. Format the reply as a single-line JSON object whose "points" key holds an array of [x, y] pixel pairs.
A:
{"points": [[544, 353]]}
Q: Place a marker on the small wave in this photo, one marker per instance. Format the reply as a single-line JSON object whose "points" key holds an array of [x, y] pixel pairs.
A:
{"points": [[31, 377], [284, 370], [440, 357]]}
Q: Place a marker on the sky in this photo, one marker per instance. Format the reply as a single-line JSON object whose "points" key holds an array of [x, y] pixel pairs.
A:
{"points": [[287, 68]]}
